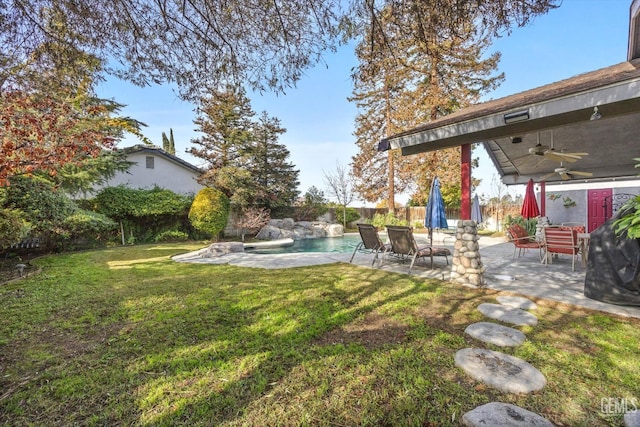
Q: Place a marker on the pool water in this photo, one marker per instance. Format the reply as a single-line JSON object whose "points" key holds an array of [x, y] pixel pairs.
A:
{"points": [[344, 244]]}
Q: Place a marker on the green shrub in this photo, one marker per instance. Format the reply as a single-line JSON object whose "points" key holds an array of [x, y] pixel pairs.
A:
{"points": [[352, 215], [528, 224], [380, 221], [88, 225], [209, 212], [12, 227], [144, 213], [628, 224], [172, 236]]}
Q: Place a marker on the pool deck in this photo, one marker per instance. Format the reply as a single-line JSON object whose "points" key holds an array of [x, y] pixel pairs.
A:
{"points": [[524, 276]]}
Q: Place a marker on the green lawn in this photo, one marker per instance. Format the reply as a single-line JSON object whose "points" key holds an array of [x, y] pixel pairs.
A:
{"points": [[126, 336]]}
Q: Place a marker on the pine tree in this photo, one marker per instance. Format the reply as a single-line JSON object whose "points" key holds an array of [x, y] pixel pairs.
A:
{"points": [[276, 179], [172, 143], [165, 142], [403, 81], [225, 120]]}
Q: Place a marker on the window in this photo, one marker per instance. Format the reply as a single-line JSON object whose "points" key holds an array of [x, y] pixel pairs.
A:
{"points": [[149, 162]]}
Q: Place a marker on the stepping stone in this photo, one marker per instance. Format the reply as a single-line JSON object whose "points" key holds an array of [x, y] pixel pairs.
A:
{"points": [[502, 371], [517, 302], [495, 334], [499, 414], [507, 314], [632, 418]]}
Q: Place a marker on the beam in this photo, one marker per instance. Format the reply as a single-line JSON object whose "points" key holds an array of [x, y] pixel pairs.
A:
{"points": [[465, 176]]}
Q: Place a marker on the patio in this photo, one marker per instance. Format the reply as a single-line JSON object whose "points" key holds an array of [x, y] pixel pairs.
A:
{"points": [[524, 276]]}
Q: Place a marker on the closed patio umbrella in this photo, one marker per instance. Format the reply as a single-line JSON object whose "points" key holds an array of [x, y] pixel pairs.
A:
{"points": [[530, 204], [435, 216], [476, 214]]}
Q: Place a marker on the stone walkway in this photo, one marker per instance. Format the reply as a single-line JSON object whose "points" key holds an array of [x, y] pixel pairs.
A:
{"points": [[499, 370]]}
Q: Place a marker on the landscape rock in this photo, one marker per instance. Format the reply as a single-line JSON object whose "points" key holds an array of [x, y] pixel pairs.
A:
{"points": [[495, 334], [288, 228], [507, 314], [497, 414], [501, 371], [517, 302]]}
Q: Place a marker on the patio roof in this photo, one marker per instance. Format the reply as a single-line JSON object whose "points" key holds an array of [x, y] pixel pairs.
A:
{"points": [[555, 115]]}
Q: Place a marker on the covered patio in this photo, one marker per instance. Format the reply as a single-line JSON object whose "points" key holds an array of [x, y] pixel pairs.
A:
{"points": [[583, 129], [544, 133]]}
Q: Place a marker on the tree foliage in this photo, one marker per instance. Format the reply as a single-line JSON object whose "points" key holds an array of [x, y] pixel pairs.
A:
{"points": [[311, 206], [168, 143], [251, 220], [49, 114], [51, 215], [209, 212], [275, 177], [339, 185], [245, 160], [201, 44], [405, 80]]}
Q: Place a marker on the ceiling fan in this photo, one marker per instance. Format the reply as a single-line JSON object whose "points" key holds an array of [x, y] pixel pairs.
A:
{"points": [[565, 173], [550, 153]]}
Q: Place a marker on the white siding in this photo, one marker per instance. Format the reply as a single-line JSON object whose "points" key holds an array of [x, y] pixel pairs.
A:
{"points": [[165, 173]]}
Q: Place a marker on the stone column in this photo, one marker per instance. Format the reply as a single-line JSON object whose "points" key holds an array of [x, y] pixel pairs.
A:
{"points": [[466, 266]]}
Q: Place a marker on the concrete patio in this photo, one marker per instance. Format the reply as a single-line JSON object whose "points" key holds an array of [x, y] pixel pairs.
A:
{"points": [[525, 276]]}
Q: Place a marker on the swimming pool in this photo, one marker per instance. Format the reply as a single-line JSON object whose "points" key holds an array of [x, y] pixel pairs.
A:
{"points": [[344, 244]]}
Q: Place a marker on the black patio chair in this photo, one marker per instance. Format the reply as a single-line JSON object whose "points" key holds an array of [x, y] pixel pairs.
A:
{"points": [[371, 242], [403, 245]]}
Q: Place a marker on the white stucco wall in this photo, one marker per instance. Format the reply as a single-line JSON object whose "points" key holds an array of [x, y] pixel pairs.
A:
{"points": [[165, 173]]}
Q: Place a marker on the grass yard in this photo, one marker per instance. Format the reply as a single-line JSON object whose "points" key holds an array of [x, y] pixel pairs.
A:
{"points": [[125, 336]]}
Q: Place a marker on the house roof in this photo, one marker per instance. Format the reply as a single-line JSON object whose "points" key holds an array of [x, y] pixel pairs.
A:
{"points": [[152, 149], [555, 115]]}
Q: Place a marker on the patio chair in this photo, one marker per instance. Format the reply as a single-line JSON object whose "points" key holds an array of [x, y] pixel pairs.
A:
{"points": [[522, 241], [403, 245], [370, 243], [560, 240]]}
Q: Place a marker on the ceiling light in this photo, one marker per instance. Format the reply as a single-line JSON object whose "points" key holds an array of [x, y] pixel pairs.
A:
{"points": [[518, 116], [596, 114]]}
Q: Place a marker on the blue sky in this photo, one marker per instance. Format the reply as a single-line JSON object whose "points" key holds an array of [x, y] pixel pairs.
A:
{"points": [[579, 36]]}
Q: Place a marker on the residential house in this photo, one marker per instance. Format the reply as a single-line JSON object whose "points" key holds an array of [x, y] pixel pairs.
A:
{"points": [[155, 167]]}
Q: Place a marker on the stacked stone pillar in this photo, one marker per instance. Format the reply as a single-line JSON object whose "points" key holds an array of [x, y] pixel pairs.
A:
{"points": [[466, 266]]}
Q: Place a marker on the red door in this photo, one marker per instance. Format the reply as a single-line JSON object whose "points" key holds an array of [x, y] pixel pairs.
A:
{"points": [[597, 214]]}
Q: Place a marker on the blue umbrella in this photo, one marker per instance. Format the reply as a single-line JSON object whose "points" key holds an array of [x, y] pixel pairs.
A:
{"points": [[476, 214], [435, 216]]}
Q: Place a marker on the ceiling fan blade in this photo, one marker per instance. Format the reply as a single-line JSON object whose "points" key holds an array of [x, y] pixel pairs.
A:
{"points": [[565, 176], [520, 161], [577, 154], [558, 157], [579, 173], [547, 176]]}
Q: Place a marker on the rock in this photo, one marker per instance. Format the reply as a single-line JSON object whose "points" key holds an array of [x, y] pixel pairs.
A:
{"points": [[497, 414], [501, 371], [507, 314], [218, 249], [495, 334], [287, 228], [517, 302], [632, 418], [334, 230], [269, 232]]}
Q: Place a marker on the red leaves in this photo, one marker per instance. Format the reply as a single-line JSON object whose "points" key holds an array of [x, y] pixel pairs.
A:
{"points": [[42, 133]]}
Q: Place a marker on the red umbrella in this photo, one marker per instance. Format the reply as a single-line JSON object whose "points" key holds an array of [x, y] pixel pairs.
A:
{"points": [[530, 205]]}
